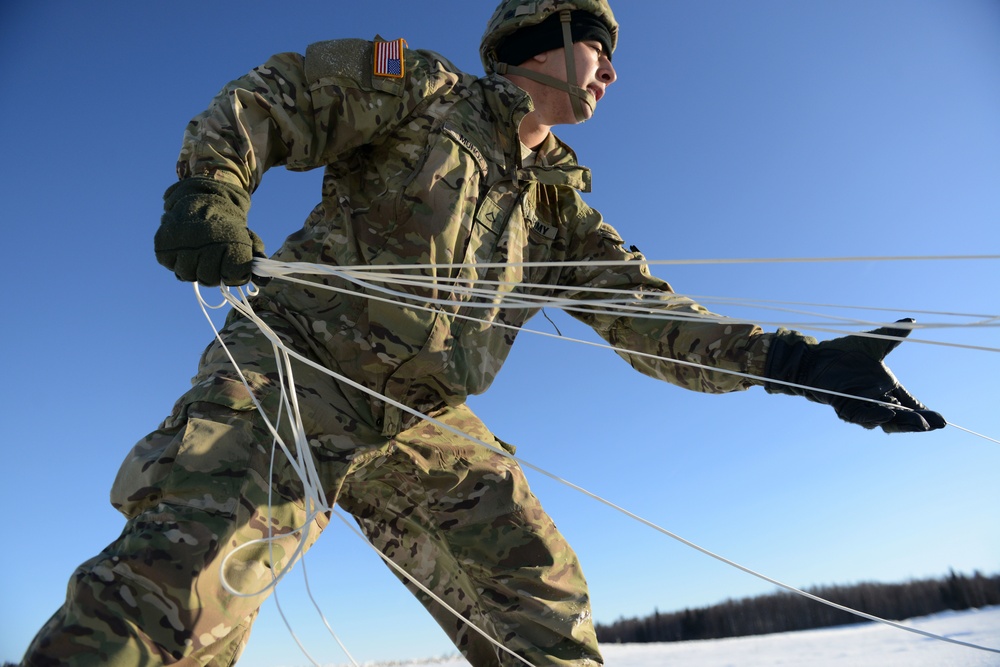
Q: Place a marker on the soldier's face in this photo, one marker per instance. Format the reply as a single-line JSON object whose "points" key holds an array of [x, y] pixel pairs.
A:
{"points": [[594, 72]]}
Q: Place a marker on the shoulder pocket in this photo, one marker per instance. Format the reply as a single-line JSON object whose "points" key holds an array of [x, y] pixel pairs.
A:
{"points": [[610, 234]]}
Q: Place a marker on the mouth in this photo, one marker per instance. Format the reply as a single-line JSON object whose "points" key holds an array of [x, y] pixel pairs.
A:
{"points": [[597, 91]]}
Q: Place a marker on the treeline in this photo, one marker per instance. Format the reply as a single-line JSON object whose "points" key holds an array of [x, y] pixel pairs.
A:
{"points": [[785, 612]]}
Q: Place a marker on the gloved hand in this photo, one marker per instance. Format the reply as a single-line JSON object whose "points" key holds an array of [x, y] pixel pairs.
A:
{"points": [[203, 233], [849, 365]]}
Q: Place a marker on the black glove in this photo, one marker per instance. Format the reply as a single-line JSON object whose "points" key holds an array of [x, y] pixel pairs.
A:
{"points": [[849, 365], [203, 234]]}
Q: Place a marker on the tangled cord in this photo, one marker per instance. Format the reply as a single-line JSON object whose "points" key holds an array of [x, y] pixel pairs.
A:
{"points": [[372, 283]]}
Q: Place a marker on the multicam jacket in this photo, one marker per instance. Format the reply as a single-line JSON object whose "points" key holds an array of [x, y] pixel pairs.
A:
{"points": [[424, 176]]}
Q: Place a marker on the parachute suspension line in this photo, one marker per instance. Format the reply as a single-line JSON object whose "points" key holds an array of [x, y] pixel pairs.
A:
{"points": [[590, 306], [305, 578], [244, 307], [986, 320], [700, 318], [754, 573], [648, 355], [295, 637], [261, 262], [322, 616], [413, 580], [628, 300], [628, 303], [313, 488], [978, 435], [271, 559], [301, 461], [312, 485]]}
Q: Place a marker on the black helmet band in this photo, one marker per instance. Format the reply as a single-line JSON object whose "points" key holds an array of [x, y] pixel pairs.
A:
{"points": [[548, 35]]}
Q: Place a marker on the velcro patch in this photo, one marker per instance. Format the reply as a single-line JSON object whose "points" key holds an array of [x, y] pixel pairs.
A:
{"points": [[345, 58]]}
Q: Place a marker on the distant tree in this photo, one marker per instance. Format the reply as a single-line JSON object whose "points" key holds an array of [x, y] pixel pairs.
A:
{"points": [[784, 611]]}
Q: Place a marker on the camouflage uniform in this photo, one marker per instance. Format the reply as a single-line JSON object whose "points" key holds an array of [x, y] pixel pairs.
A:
{"points": [[422, 171]]}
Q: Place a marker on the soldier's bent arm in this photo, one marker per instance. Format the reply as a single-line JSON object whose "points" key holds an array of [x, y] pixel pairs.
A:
{"points": [[303, 112]]}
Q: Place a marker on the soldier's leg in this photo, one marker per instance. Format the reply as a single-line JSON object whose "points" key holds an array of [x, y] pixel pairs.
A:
{"points": [[461, 519], [195, 491]]}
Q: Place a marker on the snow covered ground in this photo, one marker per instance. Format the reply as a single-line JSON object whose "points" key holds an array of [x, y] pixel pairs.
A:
{"points": [[864, 645]]}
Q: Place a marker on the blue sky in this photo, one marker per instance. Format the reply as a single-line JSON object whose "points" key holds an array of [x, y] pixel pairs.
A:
{"points": [[768, 129]]}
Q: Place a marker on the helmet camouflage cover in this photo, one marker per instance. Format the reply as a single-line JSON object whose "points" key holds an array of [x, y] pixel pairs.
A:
{"points": [[513, 15]]}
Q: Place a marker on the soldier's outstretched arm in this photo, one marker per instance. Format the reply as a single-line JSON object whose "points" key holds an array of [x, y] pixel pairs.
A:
{"points": [[864, 390]]}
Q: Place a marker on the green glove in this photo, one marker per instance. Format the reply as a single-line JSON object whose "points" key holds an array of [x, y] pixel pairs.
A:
{"points": [[849, 365], [203, 233]]}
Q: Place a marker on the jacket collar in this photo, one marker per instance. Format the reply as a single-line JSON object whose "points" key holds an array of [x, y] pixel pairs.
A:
{"points": [[556, 163]]}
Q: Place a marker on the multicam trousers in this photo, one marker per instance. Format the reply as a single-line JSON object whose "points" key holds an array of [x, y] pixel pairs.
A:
{"points": [[457, 516]]}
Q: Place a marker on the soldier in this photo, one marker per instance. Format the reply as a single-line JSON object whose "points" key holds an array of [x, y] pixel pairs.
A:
{"points": [[453, 178]]}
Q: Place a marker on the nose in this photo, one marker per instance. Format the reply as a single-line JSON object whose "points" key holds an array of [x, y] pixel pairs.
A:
{"points": [[606, 72]]}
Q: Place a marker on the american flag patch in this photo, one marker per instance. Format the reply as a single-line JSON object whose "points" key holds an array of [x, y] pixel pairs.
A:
{"points": [[389, 58]]}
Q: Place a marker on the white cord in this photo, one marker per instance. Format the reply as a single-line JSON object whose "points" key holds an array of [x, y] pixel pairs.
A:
{"points": [[621, 302], [311, 483], [306, 467], [697, 318]]}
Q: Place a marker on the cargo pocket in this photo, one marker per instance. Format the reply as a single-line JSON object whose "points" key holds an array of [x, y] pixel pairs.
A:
{"points": [[200, 464], [200, 454]]}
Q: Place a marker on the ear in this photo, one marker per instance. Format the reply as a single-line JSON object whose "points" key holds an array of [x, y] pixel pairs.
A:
{"points": [[541, 57]]}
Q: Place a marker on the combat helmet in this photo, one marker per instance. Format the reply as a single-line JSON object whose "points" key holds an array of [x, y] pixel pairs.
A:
{"points": [[512, 16]]}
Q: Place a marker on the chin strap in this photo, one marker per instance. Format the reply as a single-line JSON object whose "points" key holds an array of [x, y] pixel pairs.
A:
{"points": [[577, 96]]}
